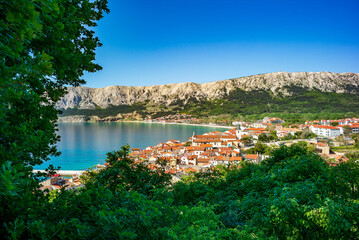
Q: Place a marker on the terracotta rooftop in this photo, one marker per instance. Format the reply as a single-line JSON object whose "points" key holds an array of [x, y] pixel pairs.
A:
{"points": [[251, 156]]}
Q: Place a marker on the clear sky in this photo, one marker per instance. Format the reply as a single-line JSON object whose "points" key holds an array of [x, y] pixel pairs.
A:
{"points": [[151, 42]]}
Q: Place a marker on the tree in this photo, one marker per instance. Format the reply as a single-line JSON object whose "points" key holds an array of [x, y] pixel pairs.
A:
{"points": [[263, 137], [342, 140], [114, 203], [294, 194], [273, 135], [259, 148], [288, 137], [45, 45], [271, 128], [124, 173], [347, 130], [307, 133], [247, 140], [355, 137]]}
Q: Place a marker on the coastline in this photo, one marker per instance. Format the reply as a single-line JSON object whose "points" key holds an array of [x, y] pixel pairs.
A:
{"points": [[171, 129], [78, 119], [185, 124], [64, 172]]}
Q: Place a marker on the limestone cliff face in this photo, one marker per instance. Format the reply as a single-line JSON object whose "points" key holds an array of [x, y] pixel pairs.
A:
{"points": [[89, 98]]}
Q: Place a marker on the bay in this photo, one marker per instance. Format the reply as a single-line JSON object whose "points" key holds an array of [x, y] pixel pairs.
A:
{"points": [[84, 145]]}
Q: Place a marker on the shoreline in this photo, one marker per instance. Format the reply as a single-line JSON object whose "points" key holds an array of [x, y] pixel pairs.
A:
{"points": [[63, 172], [79, 172], [168, 123], [185, 124]]}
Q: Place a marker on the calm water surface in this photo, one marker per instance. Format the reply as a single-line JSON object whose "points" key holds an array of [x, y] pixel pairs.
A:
{"points": [[84, 145]]}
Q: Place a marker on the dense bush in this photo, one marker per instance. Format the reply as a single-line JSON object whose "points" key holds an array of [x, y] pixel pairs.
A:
{"points": [[292, 195]]}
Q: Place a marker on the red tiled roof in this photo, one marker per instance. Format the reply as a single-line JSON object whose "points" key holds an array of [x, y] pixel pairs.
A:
{"points": [[190, 170], [325, 127], [228, 136], [198, 148], [203, 160], [206, 145], [341, 158], [251, 156], [321, 144], [256, 129]]}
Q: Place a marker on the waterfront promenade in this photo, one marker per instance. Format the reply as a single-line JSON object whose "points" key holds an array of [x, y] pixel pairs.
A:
{"points": [[64, 172]]}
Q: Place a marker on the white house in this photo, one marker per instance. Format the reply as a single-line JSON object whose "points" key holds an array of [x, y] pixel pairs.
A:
{"points": [[325, 131], [353, 126], [186, 160]]}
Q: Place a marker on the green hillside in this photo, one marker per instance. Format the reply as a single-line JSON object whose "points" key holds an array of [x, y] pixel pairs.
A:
{"points": [[302, 105]]}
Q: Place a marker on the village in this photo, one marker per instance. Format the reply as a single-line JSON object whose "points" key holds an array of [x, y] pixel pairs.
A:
{"points": [[245, 142]]}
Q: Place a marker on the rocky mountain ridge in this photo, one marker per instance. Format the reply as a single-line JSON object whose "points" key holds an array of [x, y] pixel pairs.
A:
{"points": [[276, 83]]}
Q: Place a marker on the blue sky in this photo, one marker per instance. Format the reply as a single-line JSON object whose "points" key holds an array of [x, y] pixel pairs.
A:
{"points": [[171, 41]]}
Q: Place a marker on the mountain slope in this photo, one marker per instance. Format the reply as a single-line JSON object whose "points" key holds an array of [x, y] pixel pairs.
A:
{"points": [[276, 84]]}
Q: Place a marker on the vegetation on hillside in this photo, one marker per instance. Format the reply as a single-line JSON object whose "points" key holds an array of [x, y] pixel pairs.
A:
{"points": [[301, 106], [105, 112]]}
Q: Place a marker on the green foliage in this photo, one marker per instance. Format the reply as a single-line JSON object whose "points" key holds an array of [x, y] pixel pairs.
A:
{"points": [[294, 194], [347, 130], [263, 137], [303, 105], [355, 137], [260, 148], [105, 112], [354, 156], [45, 45], [247, 140], [273, 136], [268, 138], [306, 133], [128, 176], [288, 137]]}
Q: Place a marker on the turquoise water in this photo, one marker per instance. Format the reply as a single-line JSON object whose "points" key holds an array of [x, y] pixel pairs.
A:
{"points": [[84, 145]]}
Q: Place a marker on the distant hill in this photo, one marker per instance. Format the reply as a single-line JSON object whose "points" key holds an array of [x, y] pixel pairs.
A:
{"points": [[271, 92]]}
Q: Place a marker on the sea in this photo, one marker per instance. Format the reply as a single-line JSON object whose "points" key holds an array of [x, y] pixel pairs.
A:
{"points": [[84, 145]]}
